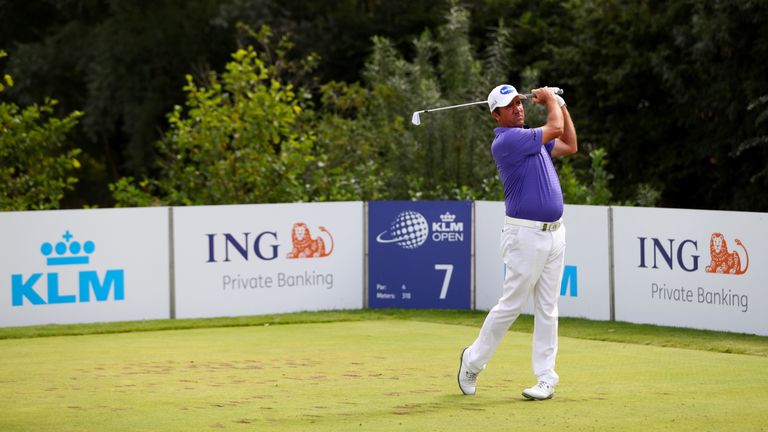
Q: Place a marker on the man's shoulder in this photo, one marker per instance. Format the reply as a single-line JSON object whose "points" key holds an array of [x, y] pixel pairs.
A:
{"points": [[514, 133], [514, 130]]}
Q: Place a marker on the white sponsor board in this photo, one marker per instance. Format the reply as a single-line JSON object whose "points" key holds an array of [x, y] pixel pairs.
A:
{"points": [[691, 268], [584, 290], [267, 258], [489, 268], [82, 266]]}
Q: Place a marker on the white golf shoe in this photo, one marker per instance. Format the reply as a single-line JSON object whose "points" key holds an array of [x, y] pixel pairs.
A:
{"points": [[467, 379], [541, 391]]}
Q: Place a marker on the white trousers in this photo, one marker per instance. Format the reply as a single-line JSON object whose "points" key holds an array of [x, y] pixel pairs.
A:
{"points": [[534, 265]]}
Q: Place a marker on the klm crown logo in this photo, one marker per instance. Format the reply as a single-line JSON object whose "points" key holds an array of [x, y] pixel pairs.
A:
{"points": [[74, 248], [447, 217]]}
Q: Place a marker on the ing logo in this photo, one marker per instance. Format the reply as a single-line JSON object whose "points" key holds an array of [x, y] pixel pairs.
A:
{"points": [[28, 289], [684, 254], [723, 261], [304, 246]]}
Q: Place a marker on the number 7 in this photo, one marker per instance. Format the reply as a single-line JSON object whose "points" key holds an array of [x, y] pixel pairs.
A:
{"points": [[447, 280]]}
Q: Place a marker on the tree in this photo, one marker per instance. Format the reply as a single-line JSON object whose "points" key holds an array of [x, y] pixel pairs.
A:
{"points": [[35, 164], [365, 129], [121, 63], [665, 90], [240, 139], [663, 87], [347, 159], [760, 140], [448, 156]]}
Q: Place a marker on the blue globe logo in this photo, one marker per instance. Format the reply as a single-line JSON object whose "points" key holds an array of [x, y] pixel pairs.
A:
{"points": [[409, 230]]}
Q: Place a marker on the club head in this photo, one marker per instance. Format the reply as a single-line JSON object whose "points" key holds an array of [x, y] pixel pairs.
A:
{"points": [[416, 119]]}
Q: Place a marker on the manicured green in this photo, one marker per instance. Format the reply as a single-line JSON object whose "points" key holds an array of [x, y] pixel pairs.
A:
{"points": [[367, 375]]}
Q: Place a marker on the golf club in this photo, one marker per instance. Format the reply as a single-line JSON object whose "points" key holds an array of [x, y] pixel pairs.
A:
{"points": [[416, 119]]}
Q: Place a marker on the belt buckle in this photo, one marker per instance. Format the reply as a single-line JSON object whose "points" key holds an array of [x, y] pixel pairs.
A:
{"points": [[551, 226]]}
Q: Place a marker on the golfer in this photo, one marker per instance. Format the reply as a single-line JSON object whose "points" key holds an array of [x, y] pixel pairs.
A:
{"points": [[533, 237]]}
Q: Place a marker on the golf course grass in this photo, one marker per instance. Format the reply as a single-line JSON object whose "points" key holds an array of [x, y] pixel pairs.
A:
{"points": [[367, 375]]}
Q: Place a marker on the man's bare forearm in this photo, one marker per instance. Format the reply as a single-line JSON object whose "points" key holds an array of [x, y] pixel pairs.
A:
{"points": [[569, 130]]}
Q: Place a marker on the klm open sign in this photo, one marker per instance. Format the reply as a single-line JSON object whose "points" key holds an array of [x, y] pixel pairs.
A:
{"points": [[419, 254]]}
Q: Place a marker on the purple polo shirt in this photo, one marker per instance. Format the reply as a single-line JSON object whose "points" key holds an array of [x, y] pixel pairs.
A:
{"points": [[531, 187]]}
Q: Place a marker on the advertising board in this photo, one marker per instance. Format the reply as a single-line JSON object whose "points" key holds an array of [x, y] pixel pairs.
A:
{"points": [[691, 268], [259, 259], [584, 289], [419, 254], [82, 266]]}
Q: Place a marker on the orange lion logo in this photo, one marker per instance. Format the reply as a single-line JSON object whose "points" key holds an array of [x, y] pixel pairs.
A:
{"points": [[304, 246], [723, 261]]}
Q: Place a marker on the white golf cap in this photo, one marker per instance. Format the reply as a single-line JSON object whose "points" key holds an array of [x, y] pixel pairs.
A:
{"points": [[501, 96]]}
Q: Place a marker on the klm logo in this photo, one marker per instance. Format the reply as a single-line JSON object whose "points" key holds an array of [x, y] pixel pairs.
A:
{"points": [[448, 229], [31, 289]]}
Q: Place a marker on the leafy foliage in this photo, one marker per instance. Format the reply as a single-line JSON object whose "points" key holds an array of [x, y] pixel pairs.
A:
{"points": [[666, 91], [347, 165], [759, 141], [448, 157], [664, 87], [239, 140], [359, 145], [35, 165], [590, 191]]}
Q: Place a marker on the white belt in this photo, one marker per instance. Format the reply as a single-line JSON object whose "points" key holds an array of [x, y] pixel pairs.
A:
{"points": [[541, 226]]}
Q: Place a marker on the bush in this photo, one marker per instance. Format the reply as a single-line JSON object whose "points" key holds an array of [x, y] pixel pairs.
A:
{"points": [[240, 139], [35, 165]]}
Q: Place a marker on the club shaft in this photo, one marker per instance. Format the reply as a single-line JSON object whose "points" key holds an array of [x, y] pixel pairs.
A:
{"points": [[523, 96], [453, 106]]}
